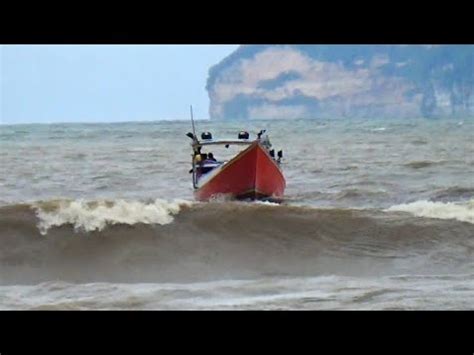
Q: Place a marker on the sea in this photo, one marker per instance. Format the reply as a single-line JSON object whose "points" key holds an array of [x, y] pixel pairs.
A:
{"points": [[377, 214]]}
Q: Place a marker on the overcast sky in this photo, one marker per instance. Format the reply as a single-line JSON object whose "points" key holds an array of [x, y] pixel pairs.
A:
{"points": [[100, 83]]}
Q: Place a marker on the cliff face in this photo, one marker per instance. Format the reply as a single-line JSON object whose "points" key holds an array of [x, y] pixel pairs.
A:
{"points": [[337, 81]]}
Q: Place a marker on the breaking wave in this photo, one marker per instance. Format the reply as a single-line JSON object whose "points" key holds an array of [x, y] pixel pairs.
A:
{"points": [[179, 241], [95, 215], [461, 211]]}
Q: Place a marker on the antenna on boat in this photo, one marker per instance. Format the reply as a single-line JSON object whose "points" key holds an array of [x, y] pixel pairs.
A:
{"points": [[192, 121], [195, 146], [193, 135]]}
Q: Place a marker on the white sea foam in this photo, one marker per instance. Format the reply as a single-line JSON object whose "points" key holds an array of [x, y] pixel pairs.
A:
{"points": [[266, 203], [325, 292], [90, 216], [443, 210]]}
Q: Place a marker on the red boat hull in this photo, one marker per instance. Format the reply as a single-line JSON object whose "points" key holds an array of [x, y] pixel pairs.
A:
{"points": [[252, 174]]}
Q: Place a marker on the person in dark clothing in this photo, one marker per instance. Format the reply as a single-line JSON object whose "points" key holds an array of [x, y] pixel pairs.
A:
{"points": [[207, 159], [210, 156]]}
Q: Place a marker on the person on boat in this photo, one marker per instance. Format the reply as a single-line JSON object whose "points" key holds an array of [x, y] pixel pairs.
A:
{"points": [[197, 158], [210, 161], [211, 157]]}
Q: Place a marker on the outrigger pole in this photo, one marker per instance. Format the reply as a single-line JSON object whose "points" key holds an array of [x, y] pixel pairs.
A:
{"points": [[195, 150], [192, 122]]}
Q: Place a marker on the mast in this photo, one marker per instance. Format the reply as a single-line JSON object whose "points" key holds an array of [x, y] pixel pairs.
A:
{"points": [[192, 122], [195, 141]]}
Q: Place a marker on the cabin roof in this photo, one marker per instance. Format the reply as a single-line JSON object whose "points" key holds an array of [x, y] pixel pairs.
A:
{"points": [[223, 142]]}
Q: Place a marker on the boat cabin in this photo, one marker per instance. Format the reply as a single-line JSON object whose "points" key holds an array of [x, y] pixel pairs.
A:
{"points": [[204, 165]]}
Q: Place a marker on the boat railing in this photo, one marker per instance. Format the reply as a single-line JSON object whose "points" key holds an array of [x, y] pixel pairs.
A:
{"points": [[222, 142], [210, 165]]}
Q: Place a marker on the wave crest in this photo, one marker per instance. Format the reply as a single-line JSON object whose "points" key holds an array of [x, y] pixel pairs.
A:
{"points": [[210, 241], [95, 215], [463, 212]]}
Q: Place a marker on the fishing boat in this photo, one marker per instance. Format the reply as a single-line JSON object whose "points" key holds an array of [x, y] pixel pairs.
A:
{"points": [[254, 173]]}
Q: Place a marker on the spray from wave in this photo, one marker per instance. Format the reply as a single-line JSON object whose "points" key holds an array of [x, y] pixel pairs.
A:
{"points": [[96, 215], [461, 211]]}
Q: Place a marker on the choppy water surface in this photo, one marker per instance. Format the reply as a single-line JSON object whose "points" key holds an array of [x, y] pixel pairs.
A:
{"points": [[378, 215]]}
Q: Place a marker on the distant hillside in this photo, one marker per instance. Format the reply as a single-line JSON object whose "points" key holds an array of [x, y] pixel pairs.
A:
{"points": [[337, 81]]}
